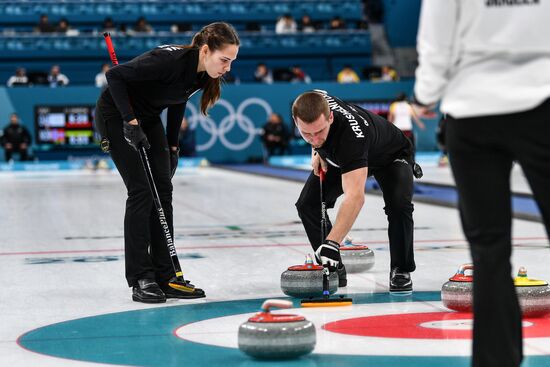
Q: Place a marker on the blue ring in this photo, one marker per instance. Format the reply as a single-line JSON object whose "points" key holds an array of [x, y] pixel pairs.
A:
{"points": [[146, 338]]}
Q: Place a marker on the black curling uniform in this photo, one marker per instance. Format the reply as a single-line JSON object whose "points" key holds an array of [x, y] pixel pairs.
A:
{"points": [[358, 138], [142, 88]]}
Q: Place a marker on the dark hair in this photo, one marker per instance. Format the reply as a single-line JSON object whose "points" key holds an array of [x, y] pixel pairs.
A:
{"points": [[309, 106], [216, 36], [401, 97]]}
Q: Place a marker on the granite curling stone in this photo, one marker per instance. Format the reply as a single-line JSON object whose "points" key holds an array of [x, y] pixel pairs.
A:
{"points": [[456, 294], [533, 295], [356, 258], [305, 281], [276, 336]]}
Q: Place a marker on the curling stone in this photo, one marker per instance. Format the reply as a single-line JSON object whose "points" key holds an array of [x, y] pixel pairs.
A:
{"points": [[304, 281], [533, 295], [276, 336], [456, 294], [356, 258]]}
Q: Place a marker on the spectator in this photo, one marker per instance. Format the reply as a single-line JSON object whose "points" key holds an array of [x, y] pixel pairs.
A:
{"points": [[15, 139], [371, 73], [142, 26], [20, 78], [56, 78], [187, 140], [275, 137], [299, 76], [306, 24], [337, 23], [263, 74], [180, 27], [283, 75], [362, 24], [373, 11], [123, 29], [100, 79], [402, 115], [108, 25], [388, 74], [252, 27], [62, 26], [286, 24], [44, 25], [347, 75]]}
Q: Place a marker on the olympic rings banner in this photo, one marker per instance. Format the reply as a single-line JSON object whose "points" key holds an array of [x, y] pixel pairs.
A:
{"points": [[228, 126], [230, 133]]}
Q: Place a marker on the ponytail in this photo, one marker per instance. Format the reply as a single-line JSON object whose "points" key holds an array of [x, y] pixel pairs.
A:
{"points": [[210, 94], [216, 36]]}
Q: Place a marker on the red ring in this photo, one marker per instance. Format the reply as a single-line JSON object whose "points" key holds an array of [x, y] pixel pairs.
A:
{"points": [[407, 326]]}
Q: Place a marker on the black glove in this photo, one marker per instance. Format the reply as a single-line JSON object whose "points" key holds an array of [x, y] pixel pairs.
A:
{"points": [[417, 170], [135, 136], [174, 156], [328, 254]]}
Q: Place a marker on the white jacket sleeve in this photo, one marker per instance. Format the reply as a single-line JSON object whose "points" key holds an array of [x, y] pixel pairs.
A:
{"points": [[435, 46]]}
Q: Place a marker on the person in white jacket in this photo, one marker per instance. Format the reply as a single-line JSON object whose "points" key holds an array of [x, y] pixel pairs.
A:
{"points": [[488, 63]]}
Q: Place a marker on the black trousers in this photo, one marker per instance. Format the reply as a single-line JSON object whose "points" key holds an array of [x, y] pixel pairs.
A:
{"points": [[23, 153], [396, 182], [146, 253], [271, 149], [481, 152]]}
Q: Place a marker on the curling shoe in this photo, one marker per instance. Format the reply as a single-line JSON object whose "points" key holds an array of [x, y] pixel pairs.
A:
{"points": [[342, 275], [400, 281], [181, 289], [148, 291]]}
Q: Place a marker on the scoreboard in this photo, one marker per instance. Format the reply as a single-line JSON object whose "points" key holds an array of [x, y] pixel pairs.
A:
{"points": [[65, 125], [380, 107]]}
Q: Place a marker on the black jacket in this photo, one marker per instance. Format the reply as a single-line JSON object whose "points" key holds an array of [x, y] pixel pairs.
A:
{"points": [[164, 77], [276, 129], [359, 138], [15, 134]]}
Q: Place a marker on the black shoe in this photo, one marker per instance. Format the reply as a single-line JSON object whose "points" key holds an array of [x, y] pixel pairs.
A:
{"points": [[342, 275], [400, 281], [148, 291], [181, 289]]}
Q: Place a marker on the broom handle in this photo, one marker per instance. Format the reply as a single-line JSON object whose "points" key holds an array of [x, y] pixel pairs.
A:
{"points": [[324, 233]]}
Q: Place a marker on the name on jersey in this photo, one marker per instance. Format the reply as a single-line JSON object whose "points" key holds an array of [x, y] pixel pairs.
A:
{"points": [[333, 105], [169, 47]]}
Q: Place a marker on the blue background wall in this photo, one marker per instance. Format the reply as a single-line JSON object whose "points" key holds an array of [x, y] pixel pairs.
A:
{"points": [[229, 134], [401, 21]]}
